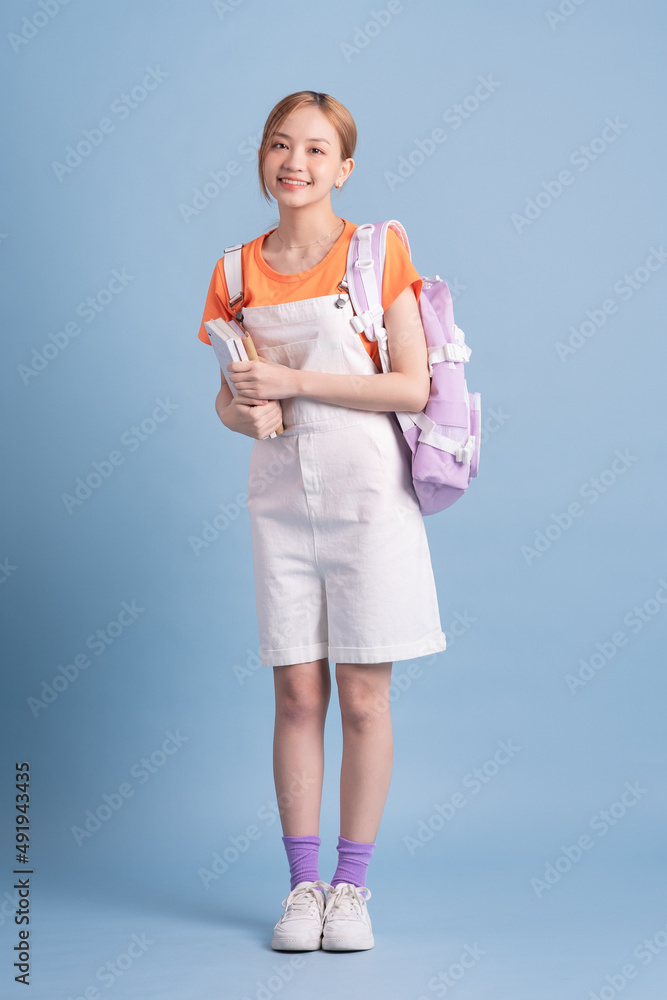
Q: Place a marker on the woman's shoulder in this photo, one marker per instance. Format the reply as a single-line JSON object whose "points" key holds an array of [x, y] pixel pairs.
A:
{"points": [[247, 258], [256, 239], [246, 245], [392, 237]]}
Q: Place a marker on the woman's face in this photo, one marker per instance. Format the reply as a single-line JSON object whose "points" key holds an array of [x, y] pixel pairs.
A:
{"points": [[305, 148]]}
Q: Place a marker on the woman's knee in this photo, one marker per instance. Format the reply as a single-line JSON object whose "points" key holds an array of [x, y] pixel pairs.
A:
{"points": [[363, 693], [302, 691]]}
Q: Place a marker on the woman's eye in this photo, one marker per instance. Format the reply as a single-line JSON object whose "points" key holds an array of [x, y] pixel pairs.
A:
{"points": [[313, 148]]}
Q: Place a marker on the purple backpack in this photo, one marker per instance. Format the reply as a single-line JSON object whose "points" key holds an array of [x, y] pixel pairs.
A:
{"points": [[444, 437]]}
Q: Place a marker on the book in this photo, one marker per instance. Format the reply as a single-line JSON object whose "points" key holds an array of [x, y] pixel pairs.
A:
{"points": [[230, 344]]}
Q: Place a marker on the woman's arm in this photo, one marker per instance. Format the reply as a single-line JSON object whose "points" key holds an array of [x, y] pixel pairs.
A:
{"points": [[224, 397], [256, 418], [405, 387]]}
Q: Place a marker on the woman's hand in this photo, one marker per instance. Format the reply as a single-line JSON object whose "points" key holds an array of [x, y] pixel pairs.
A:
{"points": [[263, 379], [255, 418]]}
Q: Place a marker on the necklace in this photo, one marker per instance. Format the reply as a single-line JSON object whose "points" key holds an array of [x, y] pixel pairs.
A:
{"points": [[298, 246]]}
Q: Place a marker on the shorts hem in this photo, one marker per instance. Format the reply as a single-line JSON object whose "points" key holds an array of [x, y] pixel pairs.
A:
{"points": [[434, 642], [293, 654]]}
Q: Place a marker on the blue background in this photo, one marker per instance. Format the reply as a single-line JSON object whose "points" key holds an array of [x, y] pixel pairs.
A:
{"points": [[186, 664]]}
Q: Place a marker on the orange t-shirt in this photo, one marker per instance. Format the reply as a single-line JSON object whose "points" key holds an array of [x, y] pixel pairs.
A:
{"points": [[262, 286]]}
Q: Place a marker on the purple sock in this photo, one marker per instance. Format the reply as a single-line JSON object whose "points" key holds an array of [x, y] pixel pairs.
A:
{"points": [[302, 858], [353, 860]]}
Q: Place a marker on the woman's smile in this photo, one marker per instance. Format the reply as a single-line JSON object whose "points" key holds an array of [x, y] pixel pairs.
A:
{"points": [[292, 183]]}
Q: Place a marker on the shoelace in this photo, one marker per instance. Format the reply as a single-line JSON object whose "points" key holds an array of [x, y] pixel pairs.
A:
{"points": [[302, 899], [346, 899]]}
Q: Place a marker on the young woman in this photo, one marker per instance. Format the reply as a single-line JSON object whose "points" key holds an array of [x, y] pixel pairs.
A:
{"points": [[341, 558]]}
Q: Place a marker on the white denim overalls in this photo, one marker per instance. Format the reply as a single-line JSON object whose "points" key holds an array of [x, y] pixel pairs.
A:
{"points": [[341, 559]]}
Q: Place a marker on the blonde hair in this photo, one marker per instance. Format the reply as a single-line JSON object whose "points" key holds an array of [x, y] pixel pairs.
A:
{"points": [[335, 112]]}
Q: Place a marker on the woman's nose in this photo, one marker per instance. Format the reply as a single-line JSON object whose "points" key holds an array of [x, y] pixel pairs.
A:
{"points": [[294, 160]]}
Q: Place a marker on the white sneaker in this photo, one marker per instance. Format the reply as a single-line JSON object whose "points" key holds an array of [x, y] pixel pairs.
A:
{"points": [[347, 925], [300, 927]]}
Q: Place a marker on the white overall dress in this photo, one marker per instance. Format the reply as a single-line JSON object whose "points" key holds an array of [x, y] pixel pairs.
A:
{"points": [[341, 560]]}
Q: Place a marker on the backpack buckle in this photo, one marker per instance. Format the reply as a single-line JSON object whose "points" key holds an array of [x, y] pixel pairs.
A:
{"points": [[363, 322], [465, 451]]}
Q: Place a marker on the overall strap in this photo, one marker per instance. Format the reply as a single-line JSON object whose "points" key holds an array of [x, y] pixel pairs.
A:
{"points": [[365, 271], [231, 265]]}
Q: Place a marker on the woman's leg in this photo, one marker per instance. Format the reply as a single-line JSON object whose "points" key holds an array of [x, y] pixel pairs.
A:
{"points": [[363, 693], [302, 693]]}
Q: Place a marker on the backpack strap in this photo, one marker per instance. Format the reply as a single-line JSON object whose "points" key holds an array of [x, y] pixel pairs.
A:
{"points": [[365, 271], [450, 352], [429, 434], [231, 265]]}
